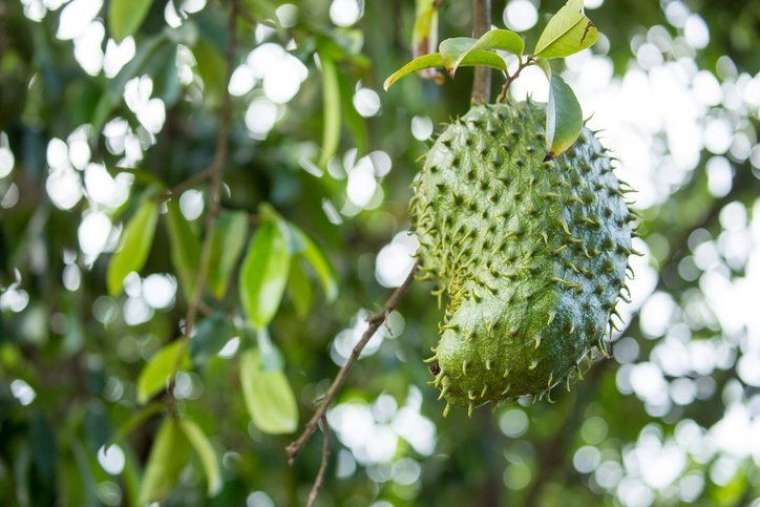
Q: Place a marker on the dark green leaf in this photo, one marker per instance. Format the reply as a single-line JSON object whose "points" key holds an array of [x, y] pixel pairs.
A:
{"points": [[136, 420], [331, 110], [264, 274], [134, 246], [268, 396], [568, 32], [185, 248], [262, 10], [82, 471], [126, 16], [227, 243], [131, 479], [206, 454], [210, 336], [168, 456], [161, 367], [212, 69], [564, 118]]}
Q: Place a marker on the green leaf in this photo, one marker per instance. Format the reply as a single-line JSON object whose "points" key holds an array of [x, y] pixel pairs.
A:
{"points": [[564, 118], [419, 63], [449, 52], [212, 68], [168, 456], [268, 395], [461, 50], [134, 246], [131, 479], [227, 242], [83, 471], [136, 420], [314, 256], [206, 454], [161, 367], [568, 32], [262, 10], [184, 247], [505, 40], [299, 288], [454, 47], [126, 16], [269, 354], [331, 108], [546, 66], [210, 336], [264, 274]]}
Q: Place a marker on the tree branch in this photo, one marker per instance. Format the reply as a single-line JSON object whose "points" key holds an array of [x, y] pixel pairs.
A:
{"points": [[320, 479], [187, 184], [510, 79], [216, 172], [374, 322], [481, 23]]}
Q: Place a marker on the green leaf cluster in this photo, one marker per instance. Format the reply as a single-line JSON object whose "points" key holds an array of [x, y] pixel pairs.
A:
{"points": [[568, 32]]}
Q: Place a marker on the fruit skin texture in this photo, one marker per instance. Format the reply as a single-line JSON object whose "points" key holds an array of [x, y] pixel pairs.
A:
{"points": [[531, 254]]}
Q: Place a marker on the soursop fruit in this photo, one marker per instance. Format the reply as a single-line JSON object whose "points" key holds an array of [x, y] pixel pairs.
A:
{"points": [[531, 254]]}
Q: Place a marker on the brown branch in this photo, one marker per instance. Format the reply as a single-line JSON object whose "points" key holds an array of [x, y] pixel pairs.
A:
{"points": [[320, 479], [216, 170], [481, 23], [374, 322], [215, 173], [510, 79], [187, 184]]}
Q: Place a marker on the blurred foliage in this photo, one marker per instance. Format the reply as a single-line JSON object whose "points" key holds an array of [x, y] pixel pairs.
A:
{"points": [[83, 361]]}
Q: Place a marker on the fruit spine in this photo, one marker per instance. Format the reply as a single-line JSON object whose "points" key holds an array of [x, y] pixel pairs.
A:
{"points": [[530, 253]]}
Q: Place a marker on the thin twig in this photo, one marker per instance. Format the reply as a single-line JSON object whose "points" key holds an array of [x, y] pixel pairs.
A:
{"points": [[481, 23], [187, 184], [510, 79], [319, 480], [374, 322], [217, 173]]}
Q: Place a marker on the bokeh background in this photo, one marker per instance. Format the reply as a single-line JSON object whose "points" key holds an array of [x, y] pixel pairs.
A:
{"points": [[86, 123]]}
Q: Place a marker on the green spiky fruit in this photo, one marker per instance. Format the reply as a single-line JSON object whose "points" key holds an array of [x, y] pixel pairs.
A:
{"points": [[530, 254]]}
